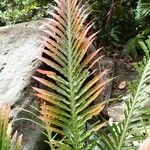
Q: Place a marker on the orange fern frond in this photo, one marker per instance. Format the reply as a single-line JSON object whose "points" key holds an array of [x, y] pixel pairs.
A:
{"points": [[71, 93]]}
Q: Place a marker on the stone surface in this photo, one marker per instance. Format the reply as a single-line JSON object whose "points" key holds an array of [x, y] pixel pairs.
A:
{"points": [[108, 64], [116, 112], [19, 53], [104, 63]]}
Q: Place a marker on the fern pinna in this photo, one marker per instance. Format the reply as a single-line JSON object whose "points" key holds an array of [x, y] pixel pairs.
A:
{"points": [[67, 105]]}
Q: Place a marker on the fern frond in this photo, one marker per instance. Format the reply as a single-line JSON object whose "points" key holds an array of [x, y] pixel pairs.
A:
{"points": [[123, 134], [143, 10], [72, 89]]}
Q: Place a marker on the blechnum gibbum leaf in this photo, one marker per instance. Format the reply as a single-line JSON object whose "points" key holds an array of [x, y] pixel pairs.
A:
{"points": [[122, 136], [67, 104]]}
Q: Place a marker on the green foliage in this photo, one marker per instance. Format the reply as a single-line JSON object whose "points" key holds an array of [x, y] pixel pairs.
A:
{"points": [[15, 11], [111, 34], [114, 19], [143, 28], [143, 10], [6, 143], [145, 46], [132, 46], [138, 45]]}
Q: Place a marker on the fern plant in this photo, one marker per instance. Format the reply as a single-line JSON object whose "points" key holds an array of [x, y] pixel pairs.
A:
{"points": [[145, 46], [142, 14], [133, 45], [6, 142], [122, 136], [143, 9], [71, 89]]}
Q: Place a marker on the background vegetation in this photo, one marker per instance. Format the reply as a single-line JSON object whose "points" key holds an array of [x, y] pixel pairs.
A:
{"points": [[16, 11]]}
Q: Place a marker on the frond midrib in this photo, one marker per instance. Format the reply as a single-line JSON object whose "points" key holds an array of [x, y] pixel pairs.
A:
{"points": [[71, 77]]}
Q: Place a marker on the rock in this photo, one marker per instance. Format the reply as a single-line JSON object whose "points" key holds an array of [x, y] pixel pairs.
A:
{"points": [[103, 64], [124, 73], [109, 65], [116, 112], [19, 53]]}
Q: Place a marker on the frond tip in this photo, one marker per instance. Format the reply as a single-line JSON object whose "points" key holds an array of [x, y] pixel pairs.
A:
{"points": [[70, 92]]}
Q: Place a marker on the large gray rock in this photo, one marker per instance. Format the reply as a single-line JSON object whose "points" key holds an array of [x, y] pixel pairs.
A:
{"points": [[19, 53]]}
